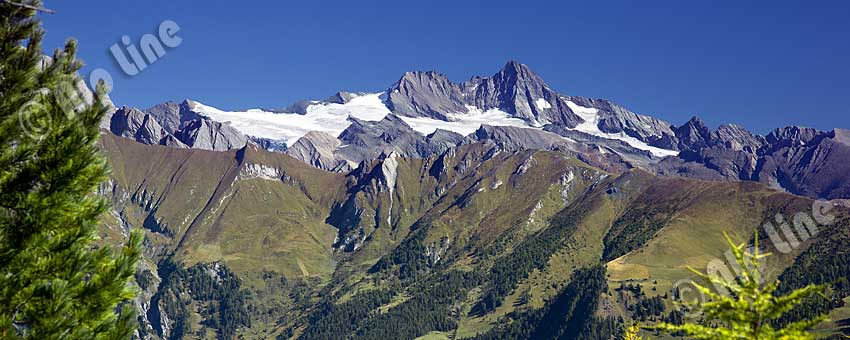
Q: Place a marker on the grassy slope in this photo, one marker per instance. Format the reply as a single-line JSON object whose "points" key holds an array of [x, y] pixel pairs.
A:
{"points": [[210, 211], [214, 212], [692, 237]]}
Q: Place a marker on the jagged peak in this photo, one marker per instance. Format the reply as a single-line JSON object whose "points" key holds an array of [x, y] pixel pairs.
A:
{"points": [[356, 121], [515, 66], [696, 121], [189, 104], [418, 76], [439, 131], [731, 126], [793, 133], [166, 103], [395, 119], [129, 109], [696, 124], [514, 69]]}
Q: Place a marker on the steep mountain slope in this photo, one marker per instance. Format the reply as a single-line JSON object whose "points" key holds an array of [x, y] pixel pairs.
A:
{"points": [[134, 124], [173, 115], [183, 128], [260, 213], [454, 244], [514, 90], [193, 200], [645, 230]]}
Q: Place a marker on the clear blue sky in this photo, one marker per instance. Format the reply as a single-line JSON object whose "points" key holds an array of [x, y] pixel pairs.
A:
{"points": [[762, 65]]}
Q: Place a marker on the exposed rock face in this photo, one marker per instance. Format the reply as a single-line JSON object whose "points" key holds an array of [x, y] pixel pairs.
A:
{"points": [[269, 144], [342, 97], [521, 93], [807, 162], [172, 116], [365, 140], [693, 135], [515, 90], [614, 118], [207, 134], [317, 149], [438, 142], [426, 94], [299, 107], [613, 153], [736, 137], [389, 172], [579, 145], [729, 153], [134, 124], [516, 139], [802, 161], [198, 133], [171, 141]]}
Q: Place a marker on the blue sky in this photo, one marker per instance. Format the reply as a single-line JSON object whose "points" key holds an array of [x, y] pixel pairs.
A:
{"points": [[762, 65]]}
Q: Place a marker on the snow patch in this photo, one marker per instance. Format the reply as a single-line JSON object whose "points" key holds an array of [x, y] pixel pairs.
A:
{"points": [[326, 117], [542, 104], [465, 123], [591, 126], [390, 170], [261, 171]]}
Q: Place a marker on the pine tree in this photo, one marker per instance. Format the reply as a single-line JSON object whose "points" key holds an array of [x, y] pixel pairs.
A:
{"points": [[55, 283], [751, 306]]}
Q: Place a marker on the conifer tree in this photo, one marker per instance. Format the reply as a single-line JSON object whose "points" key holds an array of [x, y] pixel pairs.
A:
{"points": [[747, 312], [55, 283]]}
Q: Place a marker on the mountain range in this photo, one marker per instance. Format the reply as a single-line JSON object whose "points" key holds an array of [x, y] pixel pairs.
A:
{"points": [[495, 208], [424, 113]]}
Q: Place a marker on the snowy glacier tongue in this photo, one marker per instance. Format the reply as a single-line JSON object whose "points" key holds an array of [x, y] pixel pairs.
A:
{"points": [[465, 123], [591, 127], [333, 119], [326, 117]]}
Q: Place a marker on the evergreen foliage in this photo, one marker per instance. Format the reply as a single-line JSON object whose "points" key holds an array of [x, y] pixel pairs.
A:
{"points": [[636, 227], [570, 315], [826, 262], [532, 253], [54, 282], [748, 312], [214, 286]]}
